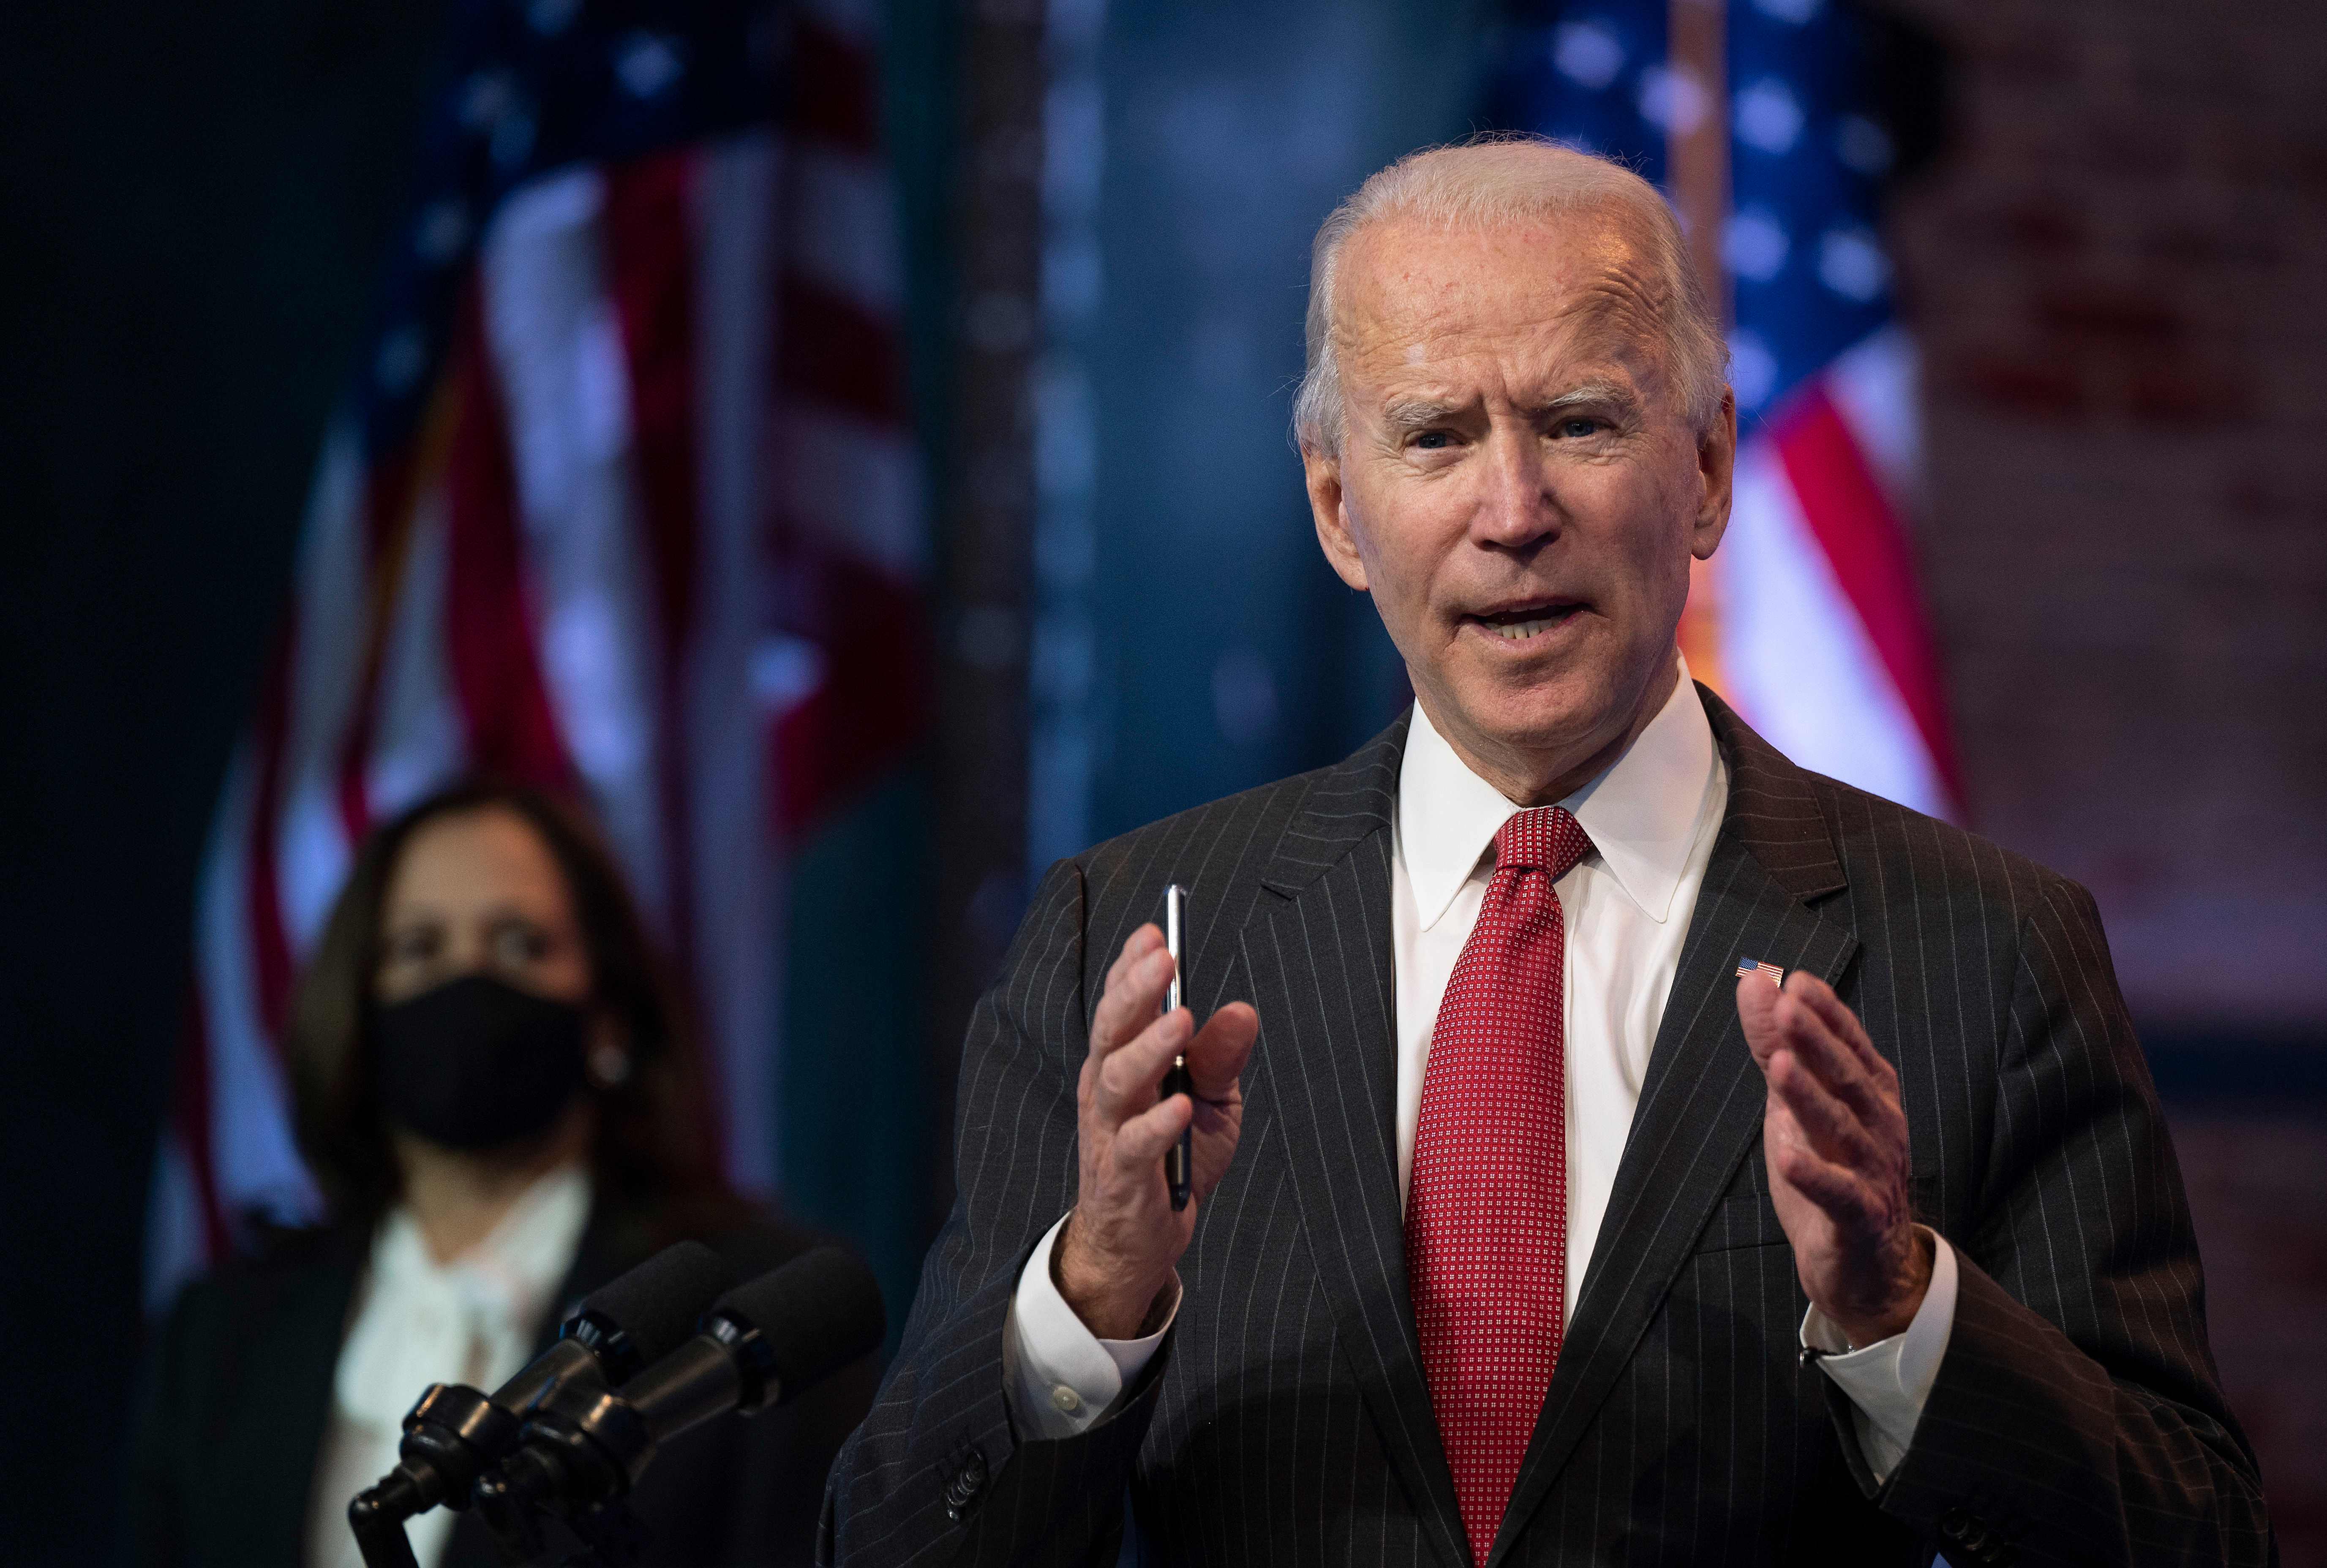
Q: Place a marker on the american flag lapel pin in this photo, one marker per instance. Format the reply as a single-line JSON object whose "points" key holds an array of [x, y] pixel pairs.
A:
{"points": [[1755, 966]]}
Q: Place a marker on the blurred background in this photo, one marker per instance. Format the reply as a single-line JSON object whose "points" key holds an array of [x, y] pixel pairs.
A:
{"points": [[845, 442]]}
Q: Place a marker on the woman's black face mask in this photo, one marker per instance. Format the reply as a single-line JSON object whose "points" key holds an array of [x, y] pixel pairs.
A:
{"points": [[477, 1063]]}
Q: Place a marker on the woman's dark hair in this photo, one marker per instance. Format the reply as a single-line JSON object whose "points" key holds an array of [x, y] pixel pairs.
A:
{"points": [[652, 1146]]}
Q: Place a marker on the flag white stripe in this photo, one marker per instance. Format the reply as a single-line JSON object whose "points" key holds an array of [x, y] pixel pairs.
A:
{"points": [[416, 740], [1872, 386], [735, 948], [856, 484], [253, 1158], [556, 347], [850, 248], [1795, 655]]}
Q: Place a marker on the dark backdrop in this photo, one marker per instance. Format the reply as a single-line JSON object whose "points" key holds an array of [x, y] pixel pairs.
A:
{"points": [[192, 201]]}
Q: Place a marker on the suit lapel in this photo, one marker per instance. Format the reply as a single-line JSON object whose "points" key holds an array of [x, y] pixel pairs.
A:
{"points": [[1317, 951], [1700, 1110]]}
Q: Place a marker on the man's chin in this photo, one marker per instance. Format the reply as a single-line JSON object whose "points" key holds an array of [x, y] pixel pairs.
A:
{"points": [[1555, 716], [1541, 717]]}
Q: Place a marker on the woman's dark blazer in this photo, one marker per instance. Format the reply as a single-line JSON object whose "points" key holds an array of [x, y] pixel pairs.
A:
{"points": [[239, 1392]]}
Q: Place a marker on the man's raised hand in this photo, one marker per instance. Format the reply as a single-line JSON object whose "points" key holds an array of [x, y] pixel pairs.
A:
{"points": [[1836, 1140], [1116, 1254]]}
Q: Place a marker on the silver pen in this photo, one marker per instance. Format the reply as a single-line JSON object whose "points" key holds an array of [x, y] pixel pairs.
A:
{"points": [[1180, 1158]]}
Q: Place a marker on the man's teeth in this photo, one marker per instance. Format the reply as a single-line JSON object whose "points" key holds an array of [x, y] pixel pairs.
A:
{"points": [[1520, 631]]}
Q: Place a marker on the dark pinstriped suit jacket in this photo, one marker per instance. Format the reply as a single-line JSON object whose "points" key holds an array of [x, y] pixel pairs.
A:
{"points": [[2076, 1417]]}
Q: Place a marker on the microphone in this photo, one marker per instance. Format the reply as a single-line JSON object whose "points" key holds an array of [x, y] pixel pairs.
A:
{"points": [[455, 1433], [762, 1344]]}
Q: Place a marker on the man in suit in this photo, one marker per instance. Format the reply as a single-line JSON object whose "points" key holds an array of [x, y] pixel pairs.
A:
{"points": [[1533, 1222]]}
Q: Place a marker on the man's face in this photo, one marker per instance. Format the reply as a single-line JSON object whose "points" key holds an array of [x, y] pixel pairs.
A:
{"points": [[1518, 485]]}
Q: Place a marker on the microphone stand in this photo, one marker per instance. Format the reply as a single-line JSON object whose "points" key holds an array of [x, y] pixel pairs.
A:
{"points": [[609, 1534], [450, 1438], [582, 1448]]}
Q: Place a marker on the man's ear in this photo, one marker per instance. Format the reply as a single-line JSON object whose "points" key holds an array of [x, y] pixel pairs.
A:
{"points": [[1716, 470], [1328, 510]]}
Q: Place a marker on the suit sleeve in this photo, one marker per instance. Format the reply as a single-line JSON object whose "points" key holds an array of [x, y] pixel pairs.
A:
{"points": [[2077, 1416], [938, 1472]]}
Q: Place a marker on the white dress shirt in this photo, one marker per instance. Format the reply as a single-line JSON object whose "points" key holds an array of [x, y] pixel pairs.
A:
{"points": [[418, 1321], [1652, 817]]}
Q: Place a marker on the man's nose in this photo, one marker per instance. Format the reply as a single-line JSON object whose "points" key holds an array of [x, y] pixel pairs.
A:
{"points": [[1516, 507]]}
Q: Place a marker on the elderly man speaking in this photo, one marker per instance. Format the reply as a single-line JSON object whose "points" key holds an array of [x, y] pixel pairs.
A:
{"points": [[1613, 1143]]}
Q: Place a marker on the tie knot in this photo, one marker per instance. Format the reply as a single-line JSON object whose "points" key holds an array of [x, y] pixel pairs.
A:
{"points": [[1546, 838]]}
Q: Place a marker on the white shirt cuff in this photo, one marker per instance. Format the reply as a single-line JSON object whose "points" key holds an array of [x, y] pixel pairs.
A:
{"points": [[1061, 1378], [1889, 1381]]}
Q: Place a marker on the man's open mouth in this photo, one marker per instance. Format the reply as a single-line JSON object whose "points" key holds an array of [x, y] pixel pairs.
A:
{"points": [[1518, 622]]}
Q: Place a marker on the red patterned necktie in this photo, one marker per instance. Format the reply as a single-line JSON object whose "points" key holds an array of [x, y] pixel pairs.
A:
{"points": [[1486, 1214]]}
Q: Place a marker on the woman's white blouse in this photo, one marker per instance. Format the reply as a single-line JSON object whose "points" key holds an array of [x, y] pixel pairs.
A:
{"points": [[417, 1322]]}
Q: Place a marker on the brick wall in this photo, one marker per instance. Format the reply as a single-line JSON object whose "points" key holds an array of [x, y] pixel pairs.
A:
{"points": [[2256, 1179], [2118, 273]]}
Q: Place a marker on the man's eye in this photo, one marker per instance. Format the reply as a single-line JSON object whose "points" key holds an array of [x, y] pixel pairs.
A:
{"points": [[1579, 428], [1434, 441]]}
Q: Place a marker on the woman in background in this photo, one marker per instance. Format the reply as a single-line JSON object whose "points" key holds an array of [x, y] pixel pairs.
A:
{"points": [[494, 1092]]}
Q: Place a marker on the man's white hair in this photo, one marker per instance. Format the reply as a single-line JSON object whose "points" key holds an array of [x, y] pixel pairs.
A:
{"points": [[1501, 181]]}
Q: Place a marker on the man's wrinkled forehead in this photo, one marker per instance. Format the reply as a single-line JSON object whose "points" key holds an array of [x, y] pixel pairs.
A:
{"points": [[1578, 287]]}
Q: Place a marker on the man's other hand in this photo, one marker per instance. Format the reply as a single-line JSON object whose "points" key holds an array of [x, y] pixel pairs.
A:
{"points": [[1836, 1140], [1116, 1254]]}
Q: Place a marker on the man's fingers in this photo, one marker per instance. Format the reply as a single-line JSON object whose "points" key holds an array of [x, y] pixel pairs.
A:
{"points": [[1128, 1077], [1143, 1139], [1135, 990], [1135, 946], [1218, 1054], [1818, 997], [1757, 1008], [1848, 1200], [1805, 1033], [1830, 1126]]}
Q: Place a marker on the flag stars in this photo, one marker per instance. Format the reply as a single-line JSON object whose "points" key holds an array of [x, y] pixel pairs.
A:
{"points": [[1673, 99], [1851, 263], [1768, 116], [403, 355], [1752, 369], [647, 64], [512, 142], [485, 97], [440, 232], [1755, 245], [1863, 145], [1586, 54]]}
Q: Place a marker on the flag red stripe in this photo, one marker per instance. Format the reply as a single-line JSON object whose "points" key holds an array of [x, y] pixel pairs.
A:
{"points": [[830, 349], [836, 88], [874, 705], [1852, 520], [507, 722], [651, 269]]}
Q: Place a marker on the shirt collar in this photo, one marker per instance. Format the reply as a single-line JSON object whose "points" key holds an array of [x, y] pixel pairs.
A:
{"points": [[516, 1267], [1641, 812]]}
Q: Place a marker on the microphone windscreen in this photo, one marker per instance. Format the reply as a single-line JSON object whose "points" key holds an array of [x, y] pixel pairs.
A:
{"points": [[817, 1313], [657, 1303]]}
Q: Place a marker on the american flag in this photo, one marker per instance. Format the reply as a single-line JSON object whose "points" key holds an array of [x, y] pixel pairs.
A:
{"points": [[1809, 620], [1749, 967], [623, 481]]}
